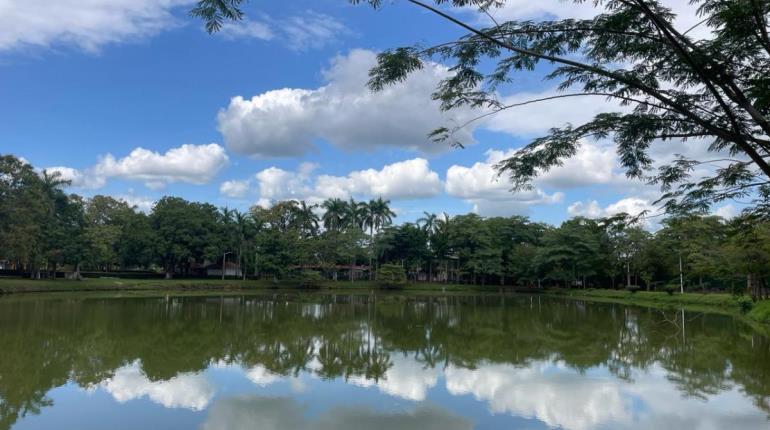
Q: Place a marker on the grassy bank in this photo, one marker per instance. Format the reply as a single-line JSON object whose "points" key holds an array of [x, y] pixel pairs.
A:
{"points": [[17, 285], [705, 302]]}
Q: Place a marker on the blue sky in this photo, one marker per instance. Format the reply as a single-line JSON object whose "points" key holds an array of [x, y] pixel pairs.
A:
{"points": [[132, 98]]}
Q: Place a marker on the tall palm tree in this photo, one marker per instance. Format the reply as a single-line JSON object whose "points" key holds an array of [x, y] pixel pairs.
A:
{"points": [[355, 214], [429, 224], [441, 241], [242, 226], [378, 215], [306, 219], [53, 182], [334, 214]]}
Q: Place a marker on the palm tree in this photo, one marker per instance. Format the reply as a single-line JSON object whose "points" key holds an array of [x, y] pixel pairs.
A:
{"points": [[355, 214], [52, 187], [335, 214], [441, 241], [52, 183], [378, 215], [429, 224], [306, 219], [242, 225]]}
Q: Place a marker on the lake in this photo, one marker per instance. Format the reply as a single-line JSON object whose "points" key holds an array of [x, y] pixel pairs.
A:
{"points": [[314, 361]]}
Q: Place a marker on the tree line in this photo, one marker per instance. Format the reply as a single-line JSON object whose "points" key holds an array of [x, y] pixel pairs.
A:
{"points": [[43, 229]]}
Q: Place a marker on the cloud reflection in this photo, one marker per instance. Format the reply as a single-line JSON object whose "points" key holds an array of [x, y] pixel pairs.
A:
{"points": [[186, 390], [267, 413]]}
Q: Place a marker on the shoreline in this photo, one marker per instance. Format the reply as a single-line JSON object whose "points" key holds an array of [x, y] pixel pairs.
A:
{"points": [[741, 307]]}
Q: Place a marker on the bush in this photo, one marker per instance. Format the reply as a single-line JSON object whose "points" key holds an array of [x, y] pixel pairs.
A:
{"points": [[633, 288], [309, 279], [745, 304], [391, 276], [670, 289]]}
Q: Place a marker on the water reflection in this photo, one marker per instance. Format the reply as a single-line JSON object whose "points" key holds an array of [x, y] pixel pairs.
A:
{"points": [[324, 361], [266, 413]]}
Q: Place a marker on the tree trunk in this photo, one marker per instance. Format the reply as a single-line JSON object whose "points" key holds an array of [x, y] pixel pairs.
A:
{"points": [[77, 275], [681, 274], [628, 273]]}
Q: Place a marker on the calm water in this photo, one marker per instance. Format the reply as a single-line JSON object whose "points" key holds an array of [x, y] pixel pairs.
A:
{"points": [[318, 362]]}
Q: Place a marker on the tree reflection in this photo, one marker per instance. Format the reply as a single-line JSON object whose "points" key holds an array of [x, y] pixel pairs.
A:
{"points": [[45, 343]]}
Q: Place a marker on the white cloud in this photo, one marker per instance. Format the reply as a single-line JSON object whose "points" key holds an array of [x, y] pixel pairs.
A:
{"points": [[77, 178], [143, 204], [193, 164], [728, 211], [247, 29], [234, 189], [560, 9], [186, 390], [535, 119], [408, 179], [310, 30], [403, 179], [344, 112], [491, 194], [86, 24], [633, 206]]}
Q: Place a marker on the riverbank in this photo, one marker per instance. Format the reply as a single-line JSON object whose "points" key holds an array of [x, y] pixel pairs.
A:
{"points": [[19, 285], [703, 302], [741, 306]]}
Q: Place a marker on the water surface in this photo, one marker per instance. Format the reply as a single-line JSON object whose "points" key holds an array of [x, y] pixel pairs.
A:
{"points": [[322, 361]]}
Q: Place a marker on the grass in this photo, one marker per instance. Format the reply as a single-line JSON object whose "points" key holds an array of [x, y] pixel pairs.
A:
{"points": [[18, 285], [705, 302], [760, 312]]}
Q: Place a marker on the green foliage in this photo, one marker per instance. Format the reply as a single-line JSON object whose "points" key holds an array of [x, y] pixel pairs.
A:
{"points": [[391, 276]]}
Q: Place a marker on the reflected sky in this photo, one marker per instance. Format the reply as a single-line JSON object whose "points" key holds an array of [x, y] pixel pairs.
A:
{"points": [[284, 363]]}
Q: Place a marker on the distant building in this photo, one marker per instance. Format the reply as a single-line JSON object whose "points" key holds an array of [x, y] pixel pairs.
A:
{"points": [[231, 270]]}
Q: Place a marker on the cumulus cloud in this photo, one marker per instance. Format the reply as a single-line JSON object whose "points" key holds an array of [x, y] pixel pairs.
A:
{"points": [[408, 179], [77, 178], [86, 24], [234, 189], [193, 164], [143, 204], [489, 193], [344, 112], [186, 390], [403, 179]]}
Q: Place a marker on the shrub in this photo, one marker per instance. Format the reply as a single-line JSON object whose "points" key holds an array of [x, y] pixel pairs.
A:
{"points": [[309, 279], [745, 304], [391, 276], [670, 289], [633, 288]]}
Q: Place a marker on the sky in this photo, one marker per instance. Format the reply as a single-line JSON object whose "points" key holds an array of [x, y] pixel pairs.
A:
{"points": [[132, 98]]}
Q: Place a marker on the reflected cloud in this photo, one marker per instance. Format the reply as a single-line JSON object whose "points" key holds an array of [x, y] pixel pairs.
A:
{"points": [[554, 395], [186, 390], [406, 379], [268, 413], [560, 397]]}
